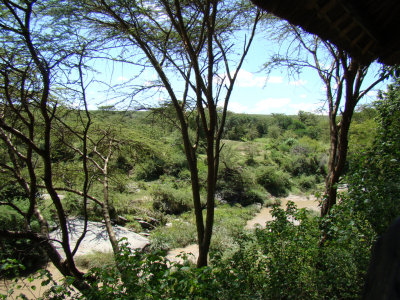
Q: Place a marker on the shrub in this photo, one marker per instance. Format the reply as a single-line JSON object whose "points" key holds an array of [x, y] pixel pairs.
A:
{"points": [[179, 234], [375, 173], [233, 187], [229, 225], [288, 261], [276, 182], [96, 259], [139, 275], [306, 182], [282, 261], [170, 200], [344, 258], [175, 163], [302, 164], [274, 132], [123, 164], [149, 170], [253, 196], [24, 251]]}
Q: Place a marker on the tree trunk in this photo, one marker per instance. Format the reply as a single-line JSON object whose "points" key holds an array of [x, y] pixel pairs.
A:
{"points": [[337, 161], [329, 197], [339, 133], [106, 215]]}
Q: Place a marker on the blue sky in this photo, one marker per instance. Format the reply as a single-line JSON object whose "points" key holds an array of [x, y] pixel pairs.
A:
{"points": [[255, 92], [277, 92]]}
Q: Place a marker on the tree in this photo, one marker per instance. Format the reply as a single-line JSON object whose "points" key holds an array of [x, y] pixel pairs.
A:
{"points": [[189, 46], [96, 157], [343, 78], [39, 64], [30, 56]]}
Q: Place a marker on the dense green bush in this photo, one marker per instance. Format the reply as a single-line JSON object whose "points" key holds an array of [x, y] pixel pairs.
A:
{"points": [[179, 233], [375, 173], [25, 251], [288, 261], [276, 182], [304, 165], [171, 200], [244, 127], [235, 187], [345, 255], [307, 182], [149, 170], [137, 275]]}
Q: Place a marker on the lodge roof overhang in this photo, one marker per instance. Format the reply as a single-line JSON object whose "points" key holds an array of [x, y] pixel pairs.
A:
{"points": [[368, 30]]}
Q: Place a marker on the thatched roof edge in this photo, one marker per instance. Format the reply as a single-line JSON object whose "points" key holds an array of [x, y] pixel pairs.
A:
{"points": [[362, 28]]}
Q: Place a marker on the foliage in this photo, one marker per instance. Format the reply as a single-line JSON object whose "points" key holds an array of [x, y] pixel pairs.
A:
{"points": [[286, 261], [27, 253], [374, 174], [234, 186], [146, 276], [150, 170], [306, 182], [276, 182], [171, 199], [179, 233], [96, 259], [243, 127], [344, 259], [363, 129], [229, 224], [283, 261], [229, 221]]}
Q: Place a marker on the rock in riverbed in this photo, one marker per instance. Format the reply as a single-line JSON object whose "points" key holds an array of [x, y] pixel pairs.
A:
{"points": [[96, 238]]}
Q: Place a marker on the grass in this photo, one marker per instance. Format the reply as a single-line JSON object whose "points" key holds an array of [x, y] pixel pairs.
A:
{"points": [[95, 259], [228, 222], [244, 151]]}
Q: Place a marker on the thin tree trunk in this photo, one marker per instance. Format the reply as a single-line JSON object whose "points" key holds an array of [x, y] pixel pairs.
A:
{"points": [[106, 215]]}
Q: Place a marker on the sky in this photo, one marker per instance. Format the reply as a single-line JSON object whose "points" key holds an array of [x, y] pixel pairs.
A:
{"points": [[255, 92]]}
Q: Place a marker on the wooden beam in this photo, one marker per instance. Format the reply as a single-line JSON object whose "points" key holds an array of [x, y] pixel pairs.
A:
{"points": [[327, 7], [361, 22]]}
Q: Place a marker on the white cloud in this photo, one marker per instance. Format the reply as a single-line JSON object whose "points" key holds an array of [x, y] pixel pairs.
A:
{"points": [[274, 79], [271, 105], [304, 106], [237, 107], [299, 82], [248, 79], [372, 94], [303, 96], [277, 105], [122, 78]]}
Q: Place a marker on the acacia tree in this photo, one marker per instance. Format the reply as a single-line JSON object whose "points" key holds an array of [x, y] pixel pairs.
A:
{"points": [[96, 154], [189, 46], [34, 59], [28, 64], [344, 81]]}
